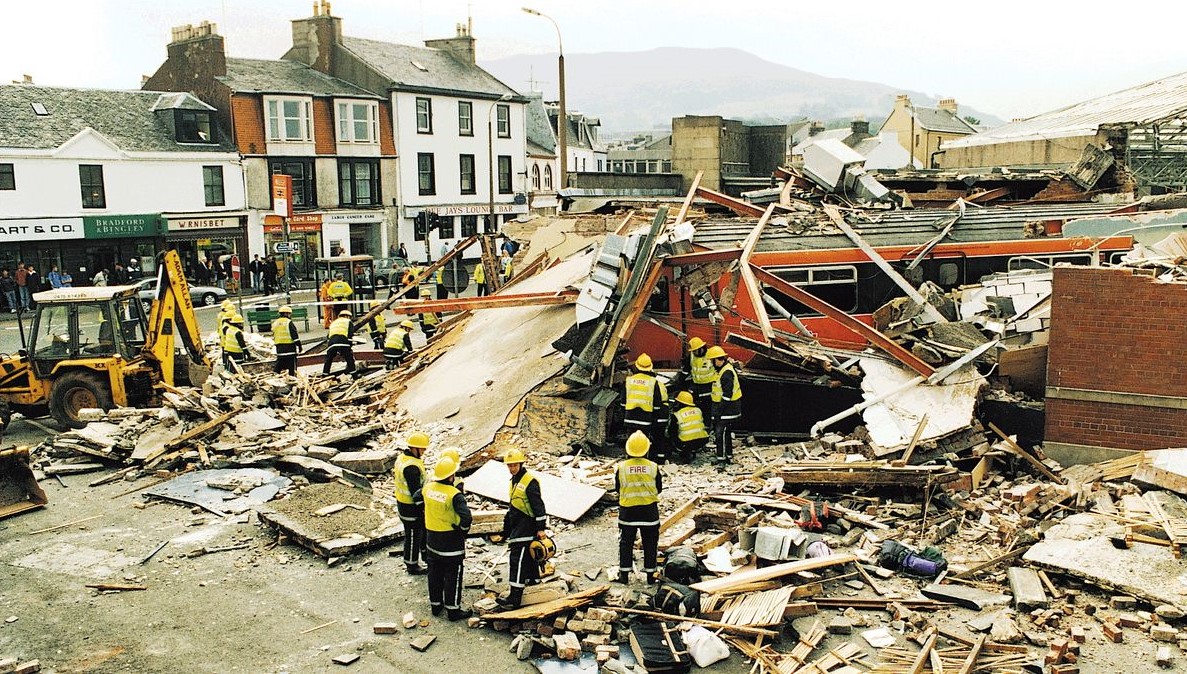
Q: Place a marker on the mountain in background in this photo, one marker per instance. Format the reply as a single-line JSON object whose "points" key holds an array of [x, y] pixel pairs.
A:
{"points": [[635, 91]]}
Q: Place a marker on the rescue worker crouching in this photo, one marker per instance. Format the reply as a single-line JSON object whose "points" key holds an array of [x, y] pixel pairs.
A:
{"points": [[234, 343], [646, 403], [525, 521], [429, 320], [410, 481], [686, 428], [447, 521], [638, 482], [377, 326], [727, 403], [287, 341], [340, 342], [398, 345]]}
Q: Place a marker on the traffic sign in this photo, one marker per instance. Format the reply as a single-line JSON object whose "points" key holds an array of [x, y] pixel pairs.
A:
{"points": [[235, 269], [286, 247]]}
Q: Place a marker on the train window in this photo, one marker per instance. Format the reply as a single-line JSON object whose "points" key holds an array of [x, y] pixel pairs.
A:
{"points": [[1048, 261], [835, 285], [949, 274]]}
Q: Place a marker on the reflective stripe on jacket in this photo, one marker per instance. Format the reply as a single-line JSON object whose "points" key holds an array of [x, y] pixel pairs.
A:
{"points": [[702, 369], [690, 424], [519, 494], [403, 491], [395, 339], [637, 482], [230, 341], [439, 512], [282, 331], [640, 391], [736, 389]]}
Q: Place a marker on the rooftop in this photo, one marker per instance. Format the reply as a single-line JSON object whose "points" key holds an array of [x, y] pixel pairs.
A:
{"points": [[424, 68], [286, 77], [943, 121]]}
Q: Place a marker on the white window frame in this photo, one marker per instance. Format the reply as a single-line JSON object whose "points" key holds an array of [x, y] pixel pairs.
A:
{"points": [[1017, 263], [466, 129], [424, 123], [278, 120], [812, 274], [348, 122]]}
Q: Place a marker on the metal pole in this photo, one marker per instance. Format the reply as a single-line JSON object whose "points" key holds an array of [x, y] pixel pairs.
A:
{"points": [[490, 170], [288, 273], [562, 122]]}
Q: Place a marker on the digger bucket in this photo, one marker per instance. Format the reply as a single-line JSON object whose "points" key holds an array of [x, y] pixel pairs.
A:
{"points": [[18, 488]]}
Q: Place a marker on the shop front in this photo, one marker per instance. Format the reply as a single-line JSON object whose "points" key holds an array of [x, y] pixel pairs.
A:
{"points": [[357, 232], [458, 221], [305, 231], [42, 243], [118, 238], [208, 238]]}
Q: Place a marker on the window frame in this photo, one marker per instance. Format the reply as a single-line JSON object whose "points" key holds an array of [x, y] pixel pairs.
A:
{"points": [[347, 175], [277, 119], [445, 227], [504, 160], [83, 183], [1048, 261], [304, 186], [473, 188], [180, 122], [503, 120], [427, 126], [348, 122], [469, 107], [429, 187], [7, 170], [535, 177], [827, 277], [548, 176], [212, 179], [469, 225]]}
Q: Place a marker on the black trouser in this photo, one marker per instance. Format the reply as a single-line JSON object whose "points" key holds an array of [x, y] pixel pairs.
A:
{"points": [[723, 430], [688, 449], [229, 357], [445, 580], [338, 350], [392, 358], [429, 330], [377, 339], [442, 292], [482, 289], [412, 517], [523, 569], [703, 395], [649, 533], [286, 362]]}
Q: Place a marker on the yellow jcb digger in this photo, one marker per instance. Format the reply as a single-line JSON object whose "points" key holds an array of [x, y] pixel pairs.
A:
{"points": [[94, 347]]}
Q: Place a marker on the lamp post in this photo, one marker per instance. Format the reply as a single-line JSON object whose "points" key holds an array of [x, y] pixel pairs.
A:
{"points": [[562, 120]]}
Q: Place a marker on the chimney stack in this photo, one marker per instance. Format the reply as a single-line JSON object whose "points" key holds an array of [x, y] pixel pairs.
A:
{"points": [[197, 49], [314, 38], [859, 127], [948, 104], [460, 47], [815, 128]]}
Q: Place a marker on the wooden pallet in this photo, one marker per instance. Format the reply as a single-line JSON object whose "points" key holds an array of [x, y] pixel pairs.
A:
{"points": [[1175, 527]]}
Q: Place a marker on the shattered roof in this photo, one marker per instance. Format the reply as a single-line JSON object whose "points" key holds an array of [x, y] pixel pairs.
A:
{"points": [[126, 118], [285, 77], [944, 121], [425, 68], [1136, 106]]}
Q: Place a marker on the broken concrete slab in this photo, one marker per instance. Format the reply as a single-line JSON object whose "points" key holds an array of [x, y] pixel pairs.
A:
{"points": [[250, 424], [347, 530], [346, 434], [892, 422], [322, 471], [1081, 546], [371, 462], [968, 597], [566, 499], [207, 489], [1027, 588]]}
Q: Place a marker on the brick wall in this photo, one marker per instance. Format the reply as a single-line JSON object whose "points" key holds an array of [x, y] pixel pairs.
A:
{"points": [[387, 146], [248, 115], [325, 140], [1116, 331]]}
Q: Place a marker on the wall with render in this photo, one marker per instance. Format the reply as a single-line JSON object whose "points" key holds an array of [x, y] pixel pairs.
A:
{"points": [[1116, 373]]}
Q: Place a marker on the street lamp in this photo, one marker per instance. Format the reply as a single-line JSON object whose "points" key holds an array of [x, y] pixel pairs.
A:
{"points": [[490, 159], [562, 120]]}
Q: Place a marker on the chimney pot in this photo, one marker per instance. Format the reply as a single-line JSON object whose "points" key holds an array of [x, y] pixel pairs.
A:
{"points": [[948, 104]]}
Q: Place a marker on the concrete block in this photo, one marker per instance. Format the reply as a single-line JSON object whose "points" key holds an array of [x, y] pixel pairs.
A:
{"points": [[385, 628], [605, 615], [567, 646], [1123, 602], [1112, 632], [1163, 656], [1164, 633], [371, 462], [30, 667], [840, 625]]}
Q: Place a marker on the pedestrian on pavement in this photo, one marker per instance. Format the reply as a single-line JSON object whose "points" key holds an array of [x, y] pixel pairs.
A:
{"points": [[402, 253], [268, 274], [727, 403], [377, 326], [447, 522], [287, 341], [21, 277], [119, 275], [55, 277], [234, 344], [646, 403], [410, 480], [8, 289], [33, 282], [340, 341], [134, 272], [480, 278], [686, 428], [398, 345], [429, 320], [638, 482], [697, 374], [525, 521], [100, 278], [255, 269]]}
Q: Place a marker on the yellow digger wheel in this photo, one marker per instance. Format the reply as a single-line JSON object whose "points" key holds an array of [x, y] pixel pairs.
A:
{"points": [[76, 391]]}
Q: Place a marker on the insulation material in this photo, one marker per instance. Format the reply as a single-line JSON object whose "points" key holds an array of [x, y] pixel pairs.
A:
{"points": [[891, 423], [501, 355]]}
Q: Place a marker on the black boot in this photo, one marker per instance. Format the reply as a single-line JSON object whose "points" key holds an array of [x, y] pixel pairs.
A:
{"points": [[456, 614], [514, 599], [416, 569], [436, 609]]}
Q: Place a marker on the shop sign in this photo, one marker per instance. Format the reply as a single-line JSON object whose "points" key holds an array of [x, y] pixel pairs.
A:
{"points": [[352, 218], [121, 226], [47, 229], [282, 195], [300, 222], [472, 209], [205, 242], [190, 224]]}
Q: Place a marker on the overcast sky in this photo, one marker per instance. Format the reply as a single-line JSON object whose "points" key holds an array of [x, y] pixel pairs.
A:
{"points": [[1011, 58]]}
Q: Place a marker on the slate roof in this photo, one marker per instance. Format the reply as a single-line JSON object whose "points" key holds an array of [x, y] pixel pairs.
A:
{"points": [[441, 72], [944, 121], [286, 77], [539, 129], [126, 118], [1137, 106]]}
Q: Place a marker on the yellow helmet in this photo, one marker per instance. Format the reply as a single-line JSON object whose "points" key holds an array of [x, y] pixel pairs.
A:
{"points": [[684, 398], [408, 324], [419, 440], [444, 469], [638, 444], [715, 352], [514, 456], [695, 343], [426, 293], [227, 304], [286, 309], [345, 313], [376, 303], [643, 362], [237, 319], [451, 453]]}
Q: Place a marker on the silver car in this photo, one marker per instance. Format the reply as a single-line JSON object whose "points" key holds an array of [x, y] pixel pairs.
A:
{"points": [[202, 295]]}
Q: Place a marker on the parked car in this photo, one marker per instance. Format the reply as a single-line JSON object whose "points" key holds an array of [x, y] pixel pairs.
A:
{"points": [[389, 271], [202, 295]]}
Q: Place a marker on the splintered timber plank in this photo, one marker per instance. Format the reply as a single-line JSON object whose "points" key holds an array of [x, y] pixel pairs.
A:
{"points": [[776, 571], [553, 607]]}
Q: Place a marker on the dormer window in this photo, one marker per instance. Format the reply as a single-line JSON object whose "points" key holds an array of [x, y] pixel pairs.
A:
{"points": [[194, 126], [358, 122], [290, 120]]}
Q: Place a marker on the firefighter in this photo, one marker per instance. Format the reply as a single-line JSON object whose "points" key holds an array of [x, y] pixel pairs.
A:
{"points": [[340, 342], [339, 292], [480, 278], [410, 480], [638, 482], [686, 428], [698, 374], [233, 343], [447, 521], [524, 522], [408, 282], [377, 326], [727, 402], [429, 320], [646, 402], [507, 265], [398, 345], [287, 341], [226, 311], [323, 296]]}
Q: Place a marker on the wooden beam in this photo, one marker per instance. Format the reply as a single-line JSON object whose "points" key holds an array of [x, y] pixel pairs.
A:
{"points": [[692, 193], [857, 327], [1022, 453], [921, 659], [970, 662], [767, 573], [625, 225], [679, 514], [637, 293], [760, 310], [487, 302], [702, 257], [724, 627], [736, 205]]}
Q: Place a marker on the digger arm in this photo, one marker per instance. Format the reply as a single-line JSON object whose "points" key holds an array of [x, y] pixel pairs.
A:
{"points": [[172, 316]]}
